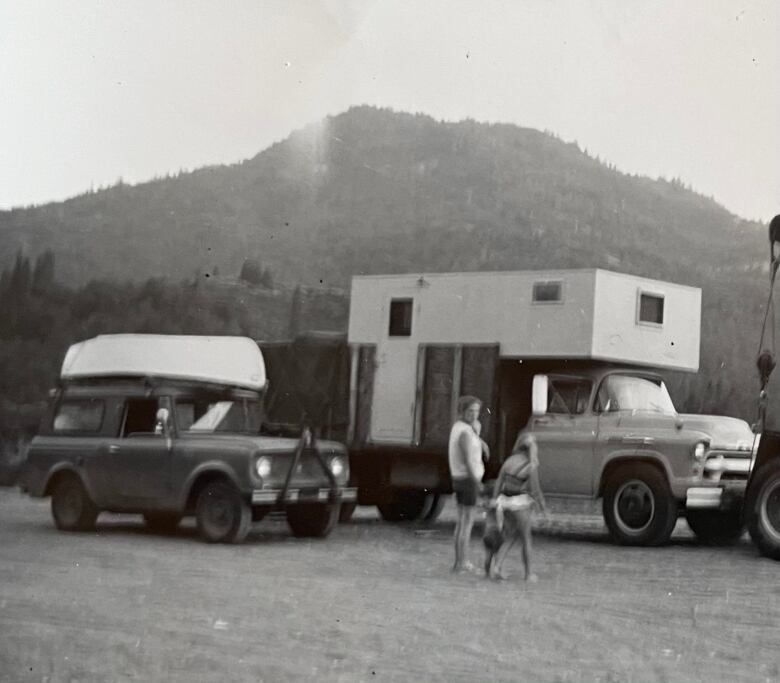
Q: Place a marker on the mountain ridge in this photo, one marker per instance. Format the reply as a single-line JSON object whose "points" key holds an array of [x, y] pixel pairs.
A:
{"points": [[373, 190]]}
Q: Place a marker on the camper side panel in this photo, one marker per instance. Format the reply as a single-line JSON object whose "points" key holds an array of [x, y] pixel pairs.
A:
{"points": [[646, 322]]}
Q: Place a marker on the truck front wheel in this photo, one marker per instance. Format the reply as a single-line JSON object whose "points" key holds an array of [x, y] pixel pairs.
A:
{"points": [[716, 527], [638, 506], [763, 510], [223, 516], [315, 520]]}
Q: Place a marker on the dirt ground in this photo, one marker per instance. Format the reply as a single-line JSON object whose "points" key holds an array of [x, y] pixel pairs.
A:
{"points": [[375, 602]]}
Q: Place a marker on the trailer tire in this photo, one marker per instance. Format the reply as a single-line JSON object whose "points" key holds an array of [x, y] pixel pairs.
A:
{"points": [[406, 506], [313, 520], [347, 510], [716, 527], [638, 506], [437, 505], [763, 510]]}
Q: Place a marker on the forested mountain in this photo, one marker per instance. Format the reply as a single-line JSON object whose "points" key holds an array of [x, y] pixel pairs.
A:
{"points": [[374, 190], [368, 191]]}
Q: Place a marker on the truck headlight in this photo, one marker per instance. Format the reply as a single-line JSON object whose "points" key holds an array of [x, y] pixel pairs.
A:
{"points": [[263, 466], [700, 450], [337, 465]]}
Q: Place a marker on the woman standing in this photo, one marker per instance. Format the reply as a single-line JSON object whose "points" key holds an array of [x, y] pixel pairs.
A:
{"points": [[516, 493]]}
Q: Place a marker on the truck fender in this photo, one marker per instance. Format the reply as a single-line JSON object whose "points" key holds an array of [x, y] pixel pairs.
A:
{"points": [[625, 457], [212, 469]]}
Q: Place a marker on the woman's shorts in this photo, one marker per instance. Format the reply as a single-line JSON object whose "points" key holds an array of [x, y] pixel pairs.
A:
{"points": [[466, 491]]}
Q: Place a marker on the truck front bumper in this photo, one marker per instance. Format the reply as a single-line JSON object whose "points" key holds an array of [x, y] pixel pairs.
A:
{"points": [[715, 497], [304, 495]]}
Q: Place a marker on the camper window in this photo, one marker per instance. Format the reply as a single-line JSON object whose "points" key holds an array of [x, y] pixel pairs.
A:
{"points": [[400, 318], [651, 308], [548, 292]]}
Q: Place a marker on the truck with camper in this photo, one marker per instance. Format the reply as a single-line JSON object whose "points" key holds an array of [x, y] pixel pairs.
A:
{"points": [[169, 426], [571, 356]]}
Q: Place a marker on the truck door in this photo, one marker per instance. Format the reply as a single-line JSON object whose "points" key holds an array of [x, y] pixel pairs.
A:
{"points": [[566, 436], [137, 462]]}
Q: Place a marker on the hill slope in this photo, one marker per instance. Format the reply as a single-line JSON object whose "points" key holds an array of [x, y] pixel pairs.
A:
{"points": [[374, 191]]}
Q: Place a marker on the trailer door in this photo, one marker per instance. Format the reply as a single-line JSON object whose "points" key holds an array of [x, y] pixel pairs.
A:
{"points": [[392, 410], [452, 371]]}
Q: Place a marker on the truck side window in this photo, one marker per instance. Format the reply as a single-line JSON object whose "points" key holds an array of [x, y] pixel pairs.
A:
{"points": [[140, 416], [568, 397]]}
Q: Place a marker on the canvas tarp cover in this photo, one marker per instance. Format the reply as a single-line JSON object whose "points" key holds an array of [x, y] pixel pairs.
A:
{"points": [[308, 381]]}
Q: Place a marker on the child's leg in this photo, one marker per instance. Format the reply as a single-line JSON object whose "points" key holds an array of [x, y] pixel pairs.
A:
{"points": [[498, 561], [524, 522]]}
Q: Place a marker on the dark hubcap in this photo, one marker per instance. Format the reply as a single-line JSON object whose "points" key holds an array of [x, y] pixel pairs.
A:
{"points": [[219, 514], [69, 507], [635, 505], [773, 508]]}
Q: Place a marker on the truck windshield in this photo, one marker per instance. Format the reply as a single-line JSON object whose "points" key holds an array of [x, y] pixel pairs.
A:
{"points": [[624, 392], [224, 416]]}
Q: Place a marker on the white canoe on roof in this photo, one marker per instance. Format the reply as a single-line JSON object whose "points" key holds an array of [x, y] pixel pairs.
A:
{"points": [[232, 361]]}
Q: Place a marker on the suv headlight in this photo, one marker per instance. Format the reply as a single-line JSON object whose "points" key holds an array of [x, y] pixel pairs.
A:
{"points": [[263, 466], [337, 465], [700, 450]]}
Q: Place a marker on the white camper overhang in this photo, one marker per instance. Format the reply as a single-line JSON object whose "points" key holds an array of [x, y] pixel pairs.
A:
{"points": [[231, 361]]}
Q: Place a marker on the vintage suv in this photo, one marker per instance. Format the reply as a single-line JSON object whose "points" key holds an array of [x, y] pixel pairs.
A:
{"points": [[614, 434], [169, 426]]}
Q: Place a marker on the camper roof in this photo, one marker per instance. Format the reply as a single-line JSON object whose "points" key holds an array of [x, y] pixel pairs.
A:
{"points": [[232, 361]]}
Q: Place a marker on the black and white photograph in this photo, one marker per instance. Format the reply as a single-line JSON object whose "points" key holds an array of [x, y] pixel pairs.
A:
{"points": [[389, 340]]}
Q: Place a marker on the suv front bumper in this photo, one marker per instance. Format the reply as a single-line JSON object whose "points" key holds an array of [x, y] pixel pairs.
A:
{"points": [[304, 495]]}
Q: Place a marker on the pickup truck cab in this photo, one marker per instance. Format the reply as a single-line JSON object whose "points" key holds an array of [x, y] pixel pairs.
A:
{"points": [[614, 434], [170, 426]]}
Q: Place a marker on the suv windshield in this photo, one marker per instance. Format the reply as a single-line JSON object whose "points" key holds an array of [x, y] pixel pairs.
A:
{"points": [[624, 392], [206, 416]]}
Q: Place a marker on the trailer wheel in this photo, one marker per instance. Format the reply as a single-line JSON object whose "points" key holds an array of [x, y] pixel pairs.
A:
{"points": [[716, 527], [313, 520], [223, 516], [437, 505], [71, 506], [638, 507], [162, 522], [406, 506], [347, 510], [763, 510]]}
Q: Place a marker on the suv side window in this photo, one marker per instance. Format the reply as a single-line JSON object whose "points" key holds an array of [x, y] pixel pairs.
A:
{"points": [[140, 416], [79, 416], [568, 396]]}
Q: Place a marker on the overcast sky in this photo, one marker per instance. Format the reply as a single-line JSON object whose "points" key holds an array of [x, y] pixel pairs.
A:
{"points": [[94, 91]]}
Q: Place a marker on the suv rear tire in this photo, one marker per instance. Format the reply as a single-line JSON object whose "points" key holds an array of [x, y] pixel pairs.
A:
{"points": [[763, 510], [71, 506], [222, 515], [638, 506]]}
